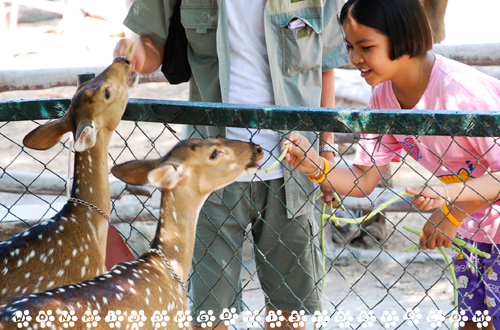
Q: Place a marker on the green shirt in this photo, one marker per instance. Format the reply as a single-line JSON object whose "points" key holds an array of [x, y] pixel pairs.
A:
{"points": [[297, 59]]}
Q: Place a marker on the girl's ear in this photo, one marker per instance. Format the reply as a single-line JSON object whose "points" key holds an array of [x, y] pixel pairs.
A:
{"points": [[48, 135], [166, 176], [135, 172]]}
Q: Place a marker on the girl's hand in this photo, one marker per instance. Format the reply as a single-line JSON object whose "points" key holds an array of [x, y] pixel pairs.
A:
{"points": [[442, 234], [428, 197], [135, 52], [301, 154]]}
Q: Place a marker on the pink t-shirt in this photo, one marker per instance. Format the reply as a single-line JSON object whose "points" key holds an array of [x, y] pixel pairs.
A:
{"points": [[452, 86]]}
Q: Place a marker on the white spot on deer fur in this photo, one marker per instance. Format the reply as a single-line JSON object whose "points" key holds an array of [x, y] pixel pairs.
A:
{"points": [[51, 251], [137, 275], [78, 305], [148, 291], [60, 290], [105, 300], [176, 234], [91, 190], [131, 282], [118, 296], [60, 242], [51, 284], [67, 262], [75, 251], [4, 290], [40, 279], [132, 290], [17, 252], [77, 190], [40, 236], [83, 271], [61, 228], [5, 270], [60, 273], [120, 288], [26, 233], [176, 248], [19, 263], [27, 275], [87, 260], [116, 271], [147, 301]]}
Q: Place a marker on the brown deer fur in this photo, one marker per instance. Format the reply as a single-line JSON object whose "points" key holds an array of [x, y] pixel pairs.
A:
{"points": [[71, 246], [186, 175]]}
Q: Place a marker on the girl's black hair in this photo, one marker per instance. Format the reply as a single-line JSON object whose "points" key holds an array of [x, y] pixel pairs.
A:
{"points": [[403, 21]]}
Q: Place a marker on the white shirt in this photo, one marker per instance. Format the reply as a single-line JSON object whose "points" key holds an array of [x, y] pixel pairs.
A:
{"points": [[250, 77]]}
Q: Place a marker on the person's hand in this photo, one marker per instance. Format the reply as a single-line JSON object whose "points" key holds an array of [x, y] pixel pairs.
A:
{"points": [[437, 232], [327, 189], [302, 155], [428, 197], [135, 52]]}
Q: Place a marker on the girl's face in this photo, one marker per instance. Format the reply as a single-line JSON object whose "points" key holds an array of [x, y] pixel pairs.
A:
{"points": [[369, 51]]}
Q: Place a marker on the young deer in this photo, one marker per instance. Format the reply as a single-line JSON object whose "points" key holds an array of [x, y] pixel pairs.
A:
{"points": [[71, 246], [154, 284]]}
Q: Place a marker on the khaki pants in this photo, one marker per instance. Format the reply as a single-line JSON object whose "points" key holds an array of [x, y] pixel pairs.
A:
{"points": [[287, 254]]}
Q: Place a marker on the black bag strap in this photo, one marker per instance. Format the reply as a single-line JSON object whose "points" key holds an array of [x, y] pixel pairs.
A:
{"points": [[175, 65]]}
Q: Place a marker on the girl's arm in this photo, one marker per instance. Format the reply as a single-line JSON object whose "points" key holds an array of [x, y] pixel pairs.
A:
{"points": [[356, 181], [483, 188], [439, 231]]}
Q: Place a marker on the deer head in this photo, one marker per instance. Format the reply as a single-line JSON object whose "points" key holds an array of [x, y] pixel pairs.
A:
{"points": [[97, 105]]}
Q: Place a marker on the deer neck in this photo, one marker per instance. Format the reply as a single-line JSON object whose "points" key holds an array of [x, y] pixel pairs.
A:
{"points": [[91, 185], [176, 231]]}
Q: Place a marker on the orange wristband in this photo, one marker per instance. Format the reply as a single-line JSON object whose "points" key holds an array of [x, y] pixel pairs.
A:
{"points": [[325, 171], [450, 217]]}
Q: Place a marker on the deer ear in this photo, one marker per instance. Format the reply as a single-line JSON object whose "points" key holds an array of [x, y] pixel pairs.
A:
{"points": [[135, 172], [86, 135], [48, 135], [166, 176]]}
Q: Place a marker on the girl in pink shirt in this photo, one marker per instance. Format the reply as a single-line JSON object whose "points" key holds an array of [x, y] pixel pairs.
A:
{"points": [[389, 41]]}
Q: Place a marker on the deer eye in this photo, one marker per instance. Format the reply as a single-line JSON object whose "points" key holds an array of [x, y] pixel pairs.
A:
{"points": [[214, 154], [106, 94]]}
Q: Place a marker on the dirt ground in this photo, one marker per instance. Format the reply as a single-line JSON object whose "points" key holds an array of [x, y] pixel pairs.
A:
{"points": [[382, 279]]}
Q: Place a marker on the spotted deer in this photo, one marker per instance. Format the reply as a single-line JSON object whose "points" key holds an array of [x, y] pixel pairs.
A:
{"points": [[151, 288], [70, 247]]}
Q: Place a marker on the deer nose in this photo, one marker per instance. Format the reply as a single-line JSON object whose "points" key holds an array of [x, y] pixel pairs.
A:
{"points": [[258, 148]]}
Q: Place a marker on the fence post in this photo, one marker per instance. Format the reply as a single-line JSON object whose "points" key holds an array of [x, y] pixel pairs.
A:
{"points": [[84, 77]]}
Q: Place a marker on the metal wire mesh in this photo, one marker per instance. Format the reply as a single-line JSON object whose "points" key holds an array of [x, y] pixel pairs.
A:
{"points": [[367, 282]]}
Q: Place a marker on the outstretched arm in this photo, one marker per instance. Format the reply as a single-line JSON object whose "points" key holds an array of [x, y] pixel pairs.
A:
{"points": [[356, 181], [483, 188]]}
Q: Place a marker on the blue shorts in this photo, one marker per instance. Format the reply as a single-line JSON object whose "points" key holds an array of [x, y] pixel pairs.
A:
{"points": [[479, 291]]}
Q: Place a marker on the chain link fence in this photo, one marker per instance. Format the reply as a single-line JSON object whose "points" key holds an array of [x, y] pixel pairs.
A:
{"points": [[369, 282]]}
